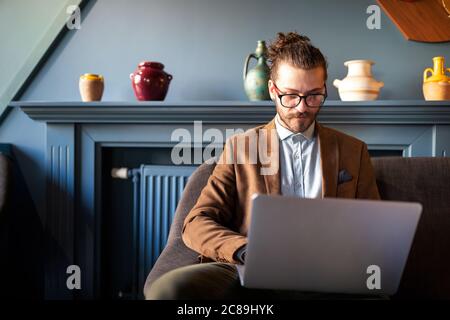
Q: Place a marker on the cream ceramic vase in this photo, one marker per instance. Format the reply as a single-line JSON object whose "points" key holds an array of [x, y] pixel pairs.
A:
{"points": [[359, 84]]}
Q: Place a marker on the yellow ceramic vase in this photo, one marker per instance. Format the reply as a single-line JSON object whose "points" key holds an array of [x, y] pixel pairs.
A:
{"points": [[436, 91], [436, 84], [438, 71], [91, 87]]}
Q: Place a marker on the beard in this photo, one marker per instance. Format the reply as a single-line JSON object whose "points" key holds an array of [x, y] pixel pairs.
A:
{"points": [[298, 121]]}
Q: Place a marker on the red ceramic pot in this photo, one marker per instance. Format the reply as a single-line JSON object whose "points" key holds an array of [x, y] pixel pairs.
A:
{"points": [[150, 82]]}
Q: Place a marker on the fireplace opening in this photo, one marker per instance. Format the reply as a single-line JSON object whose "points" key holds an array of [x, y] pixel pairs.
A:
{"points": [[134, 229], [385, 153]]}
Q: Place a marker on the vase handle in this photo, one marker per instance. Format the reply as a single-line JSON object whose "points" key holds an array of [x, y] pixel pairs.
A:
{"points": [[425, 74], [448, 70], [244, 75], [336, 83]]}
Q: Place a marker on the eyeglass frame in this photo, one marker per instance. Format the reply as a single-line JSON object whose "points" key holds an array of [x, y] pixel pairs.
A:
{"points": [[280, 96]]}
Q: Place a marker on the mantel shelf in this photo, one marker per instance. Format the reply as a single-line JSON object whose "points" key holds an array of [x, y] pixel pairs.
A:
{"points": [[367, 112]]}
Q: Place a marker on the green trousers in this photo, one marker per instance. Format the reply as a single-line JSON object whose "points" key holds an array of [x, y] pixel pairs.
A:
{"points": [[220, 281]]}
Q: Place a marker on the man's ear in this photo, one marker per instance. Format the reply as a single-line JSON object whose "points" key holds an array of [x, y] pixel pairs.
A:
{"points": [[272, 92]]}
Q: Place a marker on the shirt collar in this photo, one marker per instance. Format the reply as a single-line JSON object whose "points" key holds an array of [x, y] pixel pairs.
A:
{"points": [[284, 133]]}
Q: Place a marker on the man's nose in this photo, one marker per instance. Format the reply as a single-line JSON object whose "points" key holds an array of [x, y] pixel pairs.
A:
{"points": [[302, 106]]}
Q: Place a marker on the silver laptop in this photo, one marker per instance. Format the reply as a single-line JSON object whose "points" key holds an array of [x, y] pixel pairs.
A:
{"points": [[328, 245]]}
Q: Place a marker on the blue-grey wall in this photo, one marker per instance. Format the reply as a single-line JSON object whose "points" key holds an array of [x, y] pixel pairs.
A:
{"points": [[203, 44]]}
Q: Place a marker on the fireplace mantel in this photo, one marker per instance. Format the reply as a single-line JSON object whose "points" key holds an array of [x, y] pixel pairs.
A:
{"points": [[78, 132], [369, 112]]}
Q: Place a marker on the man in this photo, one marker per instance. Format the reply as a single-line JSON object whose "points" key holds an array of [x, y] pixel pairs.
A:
{"points": [[311, 161]]}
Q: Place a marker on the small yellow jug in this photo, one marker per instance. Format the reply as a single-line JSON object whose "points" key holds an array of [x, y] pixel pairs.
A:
{"points": [[91, 87], [437, 73]]}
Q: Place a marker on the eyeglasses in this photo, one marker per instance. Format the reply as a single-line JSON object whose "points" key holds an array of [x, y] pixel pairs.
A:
{"points": [[291, 100]]}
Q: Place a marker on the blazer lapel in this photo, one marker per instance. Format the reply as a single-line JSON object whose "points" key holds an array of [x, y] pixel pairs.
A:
{"points": [[272, 181], [329, 155]]}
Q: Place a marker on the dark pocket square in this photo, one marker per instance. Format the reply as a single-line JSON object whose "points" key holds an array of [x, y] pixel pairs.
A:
{"points": [[344, 176]]}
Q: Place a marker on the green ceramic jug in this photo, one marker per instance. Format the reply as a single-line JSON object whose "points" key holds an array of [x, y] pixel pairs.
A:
{"points": [[255, 80]]}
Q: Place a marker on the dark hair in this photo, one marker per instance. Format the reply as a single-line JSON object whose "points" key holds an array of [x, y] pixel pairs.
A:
{"points": [[296, 50]]}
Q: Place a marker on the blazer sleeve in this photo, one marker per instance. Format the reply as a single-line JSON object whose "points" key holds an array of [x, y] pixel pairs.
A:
{"points": [[367, 184], [206, 227]]}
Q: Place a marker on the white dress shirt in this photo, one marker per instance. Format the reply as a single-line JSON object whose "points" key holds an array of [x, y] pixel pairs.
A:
{"points": [[301, 171]]}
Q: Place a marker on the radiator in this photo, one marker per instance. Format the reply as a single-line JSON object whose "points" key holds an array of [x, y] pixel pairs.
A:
{"points": [[157, 190]]}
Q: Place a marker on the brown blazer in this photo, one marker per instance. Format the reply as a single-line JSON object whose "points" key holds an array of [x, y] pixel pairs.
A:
{"points": [[217, 225]]}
